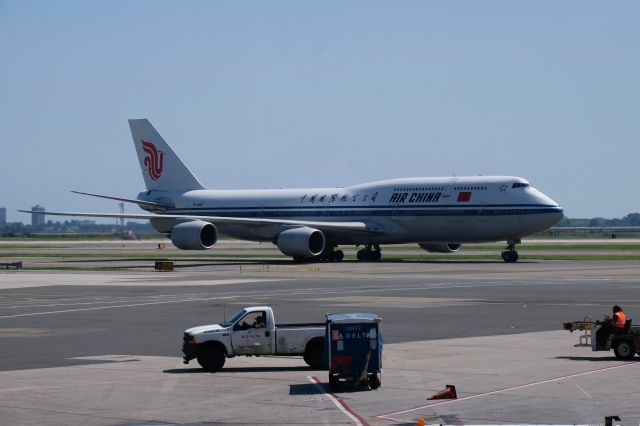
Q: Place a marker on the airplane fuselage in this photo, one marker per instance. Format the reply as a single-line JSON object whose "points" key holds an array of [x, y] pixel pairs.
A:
{"points": [[435, 210]]}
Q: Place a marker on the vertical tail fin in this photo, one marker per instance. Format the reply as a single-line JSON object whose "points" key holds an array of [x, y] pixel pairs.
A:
{"points": [[162, 170]]}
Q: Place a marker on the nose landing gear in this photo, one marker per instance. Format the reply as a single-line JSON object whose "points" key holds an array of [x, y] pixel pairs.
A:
{"points": [[510, 255], [371, 253]]}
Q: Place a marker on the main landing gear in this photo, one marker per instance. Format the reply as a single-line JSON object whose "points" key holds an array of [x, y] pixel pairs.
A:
{"points": [[371, 253], [332, 255], [510, 255]]}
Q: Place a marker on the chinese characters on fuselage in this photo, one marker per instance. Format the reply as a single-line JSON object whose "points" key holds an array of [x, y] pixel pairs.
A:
{"points": [[321, 198]]}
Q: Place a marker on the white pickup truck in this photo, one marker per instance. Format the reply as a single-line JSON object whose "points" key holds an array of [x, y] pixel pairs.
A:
{"points": [[252, 331]]}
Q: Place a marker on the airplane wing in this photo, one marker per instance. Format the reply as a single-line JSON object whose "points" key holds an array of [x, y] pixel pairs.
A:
{"points": [[322, 226], [141, 203]]}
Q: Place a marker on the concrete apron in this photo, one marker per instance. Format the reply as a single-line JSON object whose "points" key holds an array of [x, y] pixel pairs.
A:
{"points": [[522, 378]]}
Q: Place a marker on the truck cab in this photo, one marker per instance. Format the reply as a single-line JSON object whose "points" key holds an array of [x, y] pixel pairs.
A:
{"points": [[253, 333]]}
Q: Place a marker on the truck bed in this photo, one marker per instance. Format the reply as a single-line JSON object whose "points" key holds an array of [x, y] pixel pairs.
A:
{"points": [[301, 325], [291, 339]]}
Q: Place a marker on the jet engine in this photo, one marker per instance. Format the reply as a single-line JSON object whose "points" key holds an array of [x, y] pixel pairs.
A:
{"points": [[194, 235], [440, 248], [301, 242]]}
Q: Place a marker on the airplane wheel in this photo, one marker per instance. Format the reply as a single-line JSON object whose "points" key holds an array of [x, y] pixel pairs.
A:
{"points": [[510, 256], [338, 255], [362, 255], [376, 255]]}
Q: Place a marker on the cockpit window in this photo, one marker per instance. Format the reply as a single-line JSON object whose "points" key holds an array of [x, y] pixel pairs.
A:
{"points": [[520, 185]]}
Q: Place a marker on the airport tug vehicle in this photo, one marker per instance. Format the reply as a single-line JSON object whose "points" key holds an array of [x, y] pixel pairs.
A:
{"points": [[252, 331], [598, 335], [354, 350]]}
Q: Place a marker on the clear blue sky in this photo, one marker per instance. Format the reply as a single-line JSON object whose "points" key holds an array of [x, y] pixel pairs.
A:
{"points": [[282, 94]]}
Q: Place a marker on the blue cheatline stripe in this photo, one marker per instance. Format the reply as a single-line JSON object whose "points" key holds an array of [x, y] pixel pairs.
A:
{"points": [[395, 212], [386, 206]]}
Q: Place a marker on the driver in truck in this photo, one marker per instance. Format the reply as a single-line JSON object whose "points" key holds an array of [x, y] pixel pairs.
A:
{"points": [[259, 322]]}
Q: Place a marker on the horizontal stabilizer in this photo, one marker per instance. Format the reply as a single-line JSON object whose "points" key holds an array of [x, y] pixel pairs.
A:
{"points": [[141, 203]]}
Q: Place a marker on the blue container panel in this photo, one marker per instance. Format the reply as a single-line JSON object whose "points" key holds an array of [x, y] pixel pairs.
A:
{"points": [[349, 346]]}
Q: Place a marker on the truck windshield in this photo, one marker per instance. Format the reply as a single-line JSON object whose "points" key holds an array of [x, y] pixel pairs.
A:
{"points": [[234, 318]]}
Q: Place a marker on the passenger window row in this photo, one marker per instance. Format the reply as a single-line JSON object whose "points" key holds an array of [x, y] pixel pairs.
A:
{"points": [[470, 188], [419, 188]]}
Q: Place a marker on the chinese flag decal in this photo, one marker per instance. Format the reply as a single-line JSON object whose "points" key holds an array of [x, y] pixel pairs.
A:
{"points": [[464, 196]]}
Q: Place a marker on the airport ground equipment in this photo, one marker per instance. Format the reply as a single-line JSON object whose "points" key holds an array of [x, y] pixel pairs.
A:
{"points": [[252, 331], [601, 337], [164, 265], [17, 265], [354, 350]]}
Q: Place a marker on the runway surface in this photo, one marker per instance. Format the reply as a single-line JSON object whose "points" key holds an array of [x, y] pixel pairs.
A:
{"points": [[85, 325]]}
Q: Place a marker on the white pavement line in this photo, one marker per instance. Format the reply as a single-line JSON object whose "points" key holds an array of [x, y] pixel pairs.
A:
{"points": [[320, 290], [387, 416], [59, 304], [104, 307], [338, 402], [25, 283], [583, 391]]}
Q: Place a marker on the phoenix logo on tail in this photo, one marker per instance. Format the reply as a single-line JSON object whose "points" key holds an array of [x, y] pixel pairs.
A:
{"points": [[153, 161]]}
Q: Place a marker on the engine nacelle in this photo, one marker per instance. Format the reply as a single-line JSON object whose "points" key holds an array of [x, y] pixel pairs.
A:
{"points": [[440, 248], [301, 242], [194, 235]]}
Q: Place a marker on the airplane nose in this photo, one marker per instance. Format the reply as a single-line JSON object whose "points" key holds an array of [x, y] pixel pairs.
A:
{"points": [[559, 215], [556, 215], [554, 211]]}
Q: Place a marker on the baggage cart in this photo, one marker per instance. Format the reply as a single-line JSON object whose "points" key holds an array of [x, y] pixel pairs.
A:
{"points": [[354, 350]]}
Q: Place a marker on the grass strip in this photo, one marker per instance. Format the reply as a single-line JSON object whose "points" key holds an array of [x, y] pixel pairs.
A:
{"points": [[25, 247], [408, 257], [106, 256], [458, 257], [533, 247], [78, 268]]}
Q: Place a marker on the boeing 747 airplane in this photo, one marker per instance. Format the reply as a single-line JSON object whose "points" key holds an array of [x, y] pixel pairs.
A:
{"points": [[438, 213]]}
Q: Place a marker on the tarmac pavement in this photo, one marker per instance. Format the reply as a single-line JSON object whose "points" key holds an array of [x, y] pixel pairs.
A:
{"points": [[103, 347], [528, 378]]}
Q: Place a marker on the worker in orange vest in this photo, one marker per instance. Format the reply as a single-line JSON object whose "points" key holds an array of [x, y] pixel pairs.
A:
{"points": [[611, 325], [619, 318]]}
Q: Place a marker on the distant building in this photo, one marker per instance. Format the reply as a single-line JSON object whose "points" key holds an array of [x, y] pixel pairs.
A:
{"points": [[37, 219], [3, 216]]}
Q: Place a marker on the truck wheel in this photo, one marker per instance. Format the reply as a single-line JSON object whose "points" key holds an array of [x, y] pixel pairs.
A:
{"points": [[211, 358], [624, 350], [374, 381], [314, 355]]}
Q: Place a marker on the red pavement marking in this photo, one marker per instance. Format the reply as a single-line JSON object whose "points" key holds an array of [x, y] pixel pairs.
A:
{"points": [[337, 400]]}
